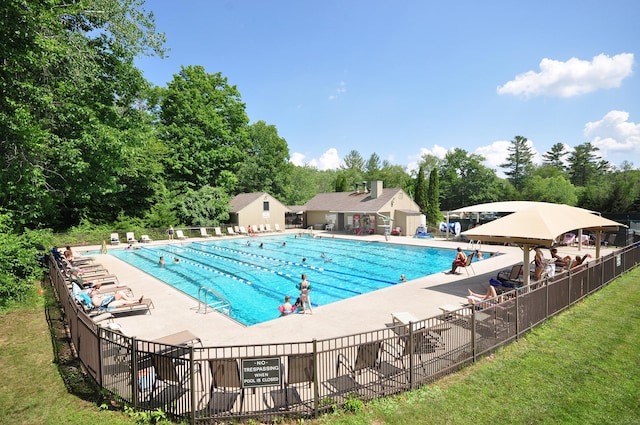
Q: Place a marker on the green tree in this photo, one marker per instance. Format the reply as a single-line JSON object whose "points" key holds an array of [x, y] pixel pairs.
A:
{"points": [[555, 157], [583, 164], [266, 166], [537, 188], [395, 176], [434, 216], [341, 183], [420, 190], [208, 206], [465, 181], [373, 168], [519, 162], [66, 118], [204, 126]]}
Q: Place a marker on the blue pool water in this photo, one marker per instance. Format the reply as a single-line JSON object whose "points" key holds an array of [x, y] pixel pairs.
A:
{"points": [[256, 279]]}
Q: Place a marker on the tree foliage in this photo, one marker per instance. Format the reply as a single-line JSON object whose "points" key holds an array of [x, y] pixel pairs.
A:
{"points": [[433, 198], [207, 206], [266, 166], [203, 124], [465, 181], [420, 190], [519, 163]]}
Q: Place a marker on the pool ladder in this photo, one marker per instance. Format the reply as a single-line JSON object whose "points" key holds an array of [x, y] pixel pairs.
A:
{"points": [[220, 303]]}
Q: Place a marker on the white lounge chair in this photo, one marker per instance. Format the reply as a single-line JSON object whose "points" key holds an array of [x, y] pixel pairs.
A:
{"points": [[231, 232], [217, 231], [267, 228], [261, 228], [180, 234], [243, 231], [131, 238], [115, 239], [277, 227], [145, 239], [254, 228], [236, 229], [203, 232]]}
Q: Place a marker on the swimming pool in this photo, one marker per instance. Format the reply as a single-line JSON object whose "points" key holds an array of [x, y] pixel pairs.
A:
{"points": [[255, 274]]}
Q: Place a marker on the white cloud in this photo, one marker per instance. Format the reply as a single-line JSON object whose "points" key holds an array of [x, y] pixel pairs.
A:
{"points": [[614, 132], [342, 88], [330, 160], [571, 78], [496, 153], [437, 151], [297, 159]]}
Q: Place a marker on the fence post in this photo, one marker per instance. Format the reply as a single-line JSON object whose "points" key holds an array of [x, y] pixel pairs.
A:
{"points": [[473, 332], [411, 348], [192, 378], [517, 316], [134, 372], [316, 402]]}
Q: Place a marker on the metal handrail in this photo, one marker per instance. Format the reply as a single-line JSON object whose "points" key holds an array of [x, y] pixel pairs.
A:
{"points": [[222, 304]]}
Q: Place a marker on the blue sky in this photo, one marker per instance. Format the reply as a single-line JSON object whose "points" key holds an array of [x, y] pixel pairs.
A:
{"points": [[404, 78]]}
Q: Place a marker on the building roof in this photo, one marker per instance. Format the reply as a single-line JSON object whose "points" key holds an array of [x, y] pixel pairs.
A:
{"points": [[242, 200], [350, 201]]}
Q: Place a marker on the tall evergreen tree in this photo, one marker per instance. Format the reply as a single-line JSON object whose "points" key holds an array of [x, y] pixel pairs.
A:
{"points": [[420, 190], [519, 163], [555, 156], [583, 164], [433, 198]]}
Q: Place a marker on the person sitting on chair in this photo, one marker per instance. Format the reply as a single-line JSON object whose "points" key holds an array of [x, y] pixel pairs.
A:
{"points": [[474, 298], [460, 261], [579, 260], [558, 260]]}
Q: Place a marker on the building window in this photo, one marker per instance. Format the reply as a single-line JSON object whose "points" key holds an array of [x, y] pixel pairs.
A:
{"points": [[265, 206]]}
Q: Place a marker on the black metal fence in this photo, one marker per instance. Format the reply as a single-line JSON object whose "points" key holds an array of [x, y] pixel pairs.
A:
{"points": [[209, 384]]}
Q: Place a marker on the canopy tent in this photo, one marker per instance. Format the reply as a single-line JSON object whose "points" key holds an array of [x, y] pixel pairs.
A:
{"points": [[505, 207], [539, 223]]}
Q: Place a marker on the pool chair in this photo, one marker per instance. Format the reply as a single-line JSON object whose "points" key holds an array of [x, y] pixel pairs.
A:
{"points": [[261, 228], [145, 239], [277, 227], [569, 239], [231, 232], [226, 386], [300, 370], [510, 278], [168, 382], [217, 231], [254, 228], [243, 231], [203, 232], [267, 228], [131, 238], [368, 367], [468, 264], [115, 239], [180, 235]]}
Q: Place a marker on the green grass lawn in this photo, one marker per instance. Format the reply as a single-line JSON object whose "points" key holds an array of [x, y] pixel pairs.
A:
{"points": [[582, 367]]}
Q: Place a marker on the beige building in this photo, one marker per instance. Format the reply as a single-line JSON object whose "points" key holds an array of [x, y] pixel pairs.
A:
{"points": [[257, 208], [364, 211]]}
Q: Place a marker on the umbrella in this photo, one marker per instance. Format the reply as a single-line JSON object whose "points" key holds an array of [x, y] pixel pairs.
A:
{"points": [[540, 223]]}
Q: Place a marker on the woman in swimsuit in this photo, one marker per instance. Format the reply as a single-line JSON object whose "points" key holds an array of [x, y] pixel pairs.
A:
{"points": [[305, 287]]}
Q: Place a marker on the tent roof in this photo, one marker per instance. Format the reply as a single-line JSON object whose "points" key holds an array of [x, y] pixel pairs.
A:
{"points": [[539, 224], [505, 207]]}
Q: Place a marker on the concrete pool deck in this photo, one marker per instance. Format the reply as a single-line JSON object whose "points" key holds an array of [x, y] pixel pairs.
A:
{"points": [[174, 311]]}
